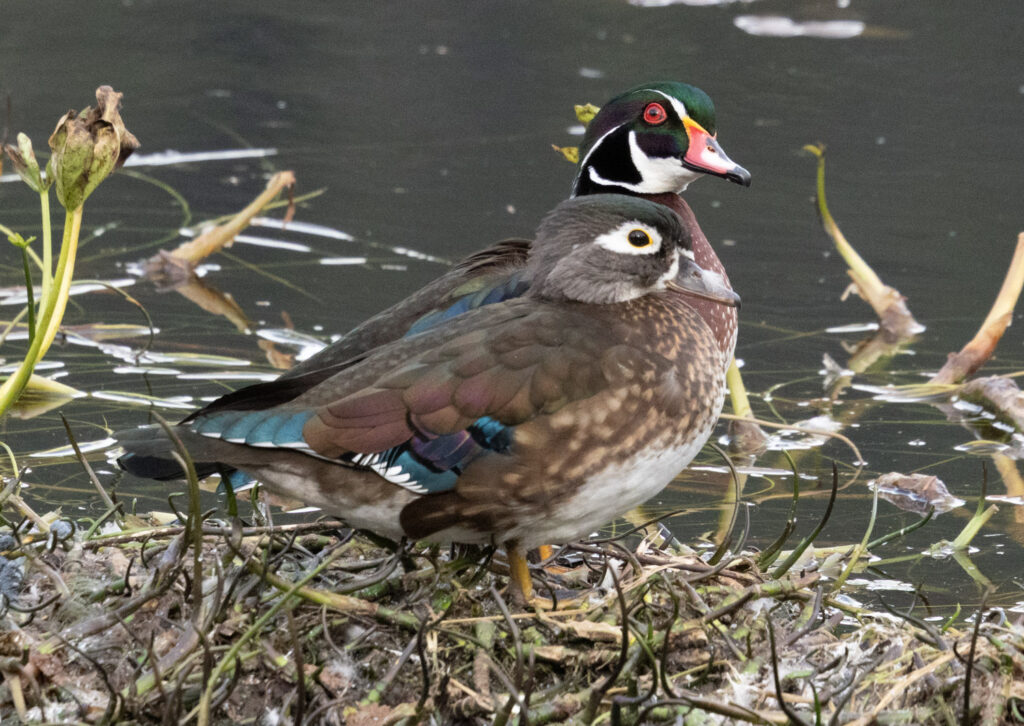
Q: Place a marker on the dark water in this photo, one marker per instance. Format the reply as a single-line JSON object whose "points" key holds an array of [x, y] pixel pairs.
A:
{"points": [[429, 127]]}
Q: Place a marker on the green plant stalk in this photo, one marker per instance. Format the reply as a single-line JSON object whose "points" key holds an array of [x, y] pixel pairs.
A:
{"points": [[30, 303], [970, 569], [903, 531], [860, 270], [288, 600], [861, 547], [737, 391], [973, 526], [44, 205], [51, 313], [981, 516], [806, 542]]}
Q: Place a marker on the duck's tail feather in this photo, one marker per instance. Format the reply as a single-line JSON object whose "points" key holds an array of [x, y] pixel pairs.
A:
{"points": [[148, 453]]}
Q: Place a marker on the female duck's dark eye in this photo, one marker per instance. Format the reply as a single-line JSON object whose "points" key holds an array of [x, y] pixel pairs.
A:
{"points": [[639, 238], [655, 114]]}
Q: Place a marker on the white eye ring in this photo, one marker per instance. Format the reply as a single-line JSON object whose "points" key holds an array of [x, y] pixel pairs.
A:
{"points": [[620, 239]]}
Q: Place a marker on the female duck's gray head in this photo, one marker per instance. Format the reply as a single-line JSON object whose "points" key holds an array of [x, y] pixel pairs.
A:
{"points": [[608, 248]]}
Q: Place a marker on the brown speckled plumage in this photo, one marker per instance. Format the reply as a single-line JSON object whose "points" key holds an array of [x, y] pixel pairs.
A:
{"points": [[656, 393], [552, 415], [723, 320]]}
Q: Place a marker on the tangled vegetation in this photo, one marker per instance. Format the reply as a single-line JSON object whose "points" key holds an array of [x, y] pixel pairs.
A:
{"points": [[220, 616]]}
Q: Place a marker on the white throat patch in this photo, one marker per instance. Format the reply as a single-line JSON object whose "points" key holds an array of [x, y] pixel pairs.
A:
{"points": [[656, 175]]}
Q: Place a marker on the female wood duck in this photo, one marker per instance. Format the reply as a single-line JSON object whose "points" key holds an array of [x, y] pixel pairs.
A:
{"points": [[652, 142], [533, 420]]}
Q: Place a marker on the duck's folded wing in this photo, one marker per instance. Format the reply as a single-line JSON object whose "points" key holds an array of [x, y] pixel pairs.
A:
{"points": [[488, 276], [434, 406], [530, 366]]}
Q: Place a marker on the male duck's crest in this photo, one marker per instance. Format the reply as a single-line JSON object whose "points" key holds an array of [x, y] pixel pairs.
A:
{"points": [[652, 139]]}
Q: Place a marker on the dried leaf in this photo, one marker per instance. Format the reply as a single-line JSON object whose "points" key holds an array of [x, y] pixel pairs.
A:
{"points": [[571, 153], [916, 493], [586, 112], [998, 394], [597, 632]]}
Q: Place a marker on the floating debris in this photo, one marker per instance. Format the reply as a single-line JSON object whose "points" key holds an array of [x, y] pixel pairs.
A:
{"points": [[298, 227], [853, 328], [917, 493], [919, 393], [780, 26], [18, 296], [997, 394], [65, 451], [807, 438], [230, 376], [277, 244], [692, 3], [343, 260], [170, 156], [881, 584], [1006, 499], [180, 403], [318, 230]]}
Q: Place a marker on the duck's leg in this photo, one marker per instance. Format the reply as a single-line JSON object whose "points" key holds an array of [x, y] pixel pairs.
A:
{"points": [[544, 552], [522, 586]]}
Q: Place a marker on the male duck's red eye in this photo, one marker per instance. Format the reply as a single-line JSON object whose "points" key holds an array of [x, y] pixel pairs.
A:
{"points": [[655, 114]]}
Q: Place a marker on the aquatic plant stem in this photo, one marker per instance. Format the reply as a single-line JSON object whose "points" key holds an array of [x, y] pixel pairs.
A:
{"points": [[866, 278], [30, 302], [861, 547], [973, 355], [973, 527], [886, 301], [738, 392], [214, 239], [47, 263], [51, 313]]}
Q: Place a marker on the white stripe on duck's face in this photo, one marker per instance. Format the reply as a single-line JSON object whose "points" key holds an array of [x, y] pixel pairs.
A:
{"points": [[637, 238], [657, 174], [631, 238]]}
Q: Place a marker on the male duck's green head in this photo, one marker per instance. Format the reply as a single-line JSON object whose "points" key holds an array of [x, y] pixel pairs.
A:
{"points": [[652, 139]]}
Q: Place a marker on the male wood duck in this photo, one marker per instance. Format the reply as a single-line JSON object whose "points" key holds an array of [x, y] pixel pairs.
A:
{"points": [[652, 142], [533, 420]]}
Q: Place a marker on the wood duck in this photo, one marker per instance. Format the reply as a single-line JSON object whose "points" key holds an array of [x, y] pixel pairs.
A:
{"points": [[537, 419], [652, 142]]}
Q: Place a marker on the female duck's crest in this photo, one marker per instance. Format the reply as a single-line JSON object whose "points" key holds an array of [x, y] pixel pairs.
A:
{"points": [[653, 138]]}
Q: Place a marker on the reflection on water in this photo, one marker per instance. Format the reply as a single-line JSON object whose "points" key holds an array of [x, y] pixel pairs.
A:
{"points": [[431, 137]]}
